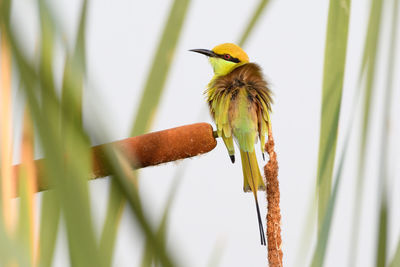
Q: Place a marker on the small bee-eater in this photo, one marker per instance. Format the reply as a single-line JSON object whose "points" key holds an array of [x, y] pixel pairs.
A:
{"points": [[240, 101]]}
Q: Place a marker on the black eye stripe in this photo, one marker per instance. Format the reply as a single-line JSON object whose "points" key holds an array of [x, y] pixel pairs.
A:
{"points": [[232, 59]]}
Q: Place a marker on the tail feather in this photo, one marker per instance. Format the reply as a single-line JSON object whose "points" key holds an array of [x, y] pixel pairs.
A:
{"points": [[253, 181], [249, 172], [260, 225]]}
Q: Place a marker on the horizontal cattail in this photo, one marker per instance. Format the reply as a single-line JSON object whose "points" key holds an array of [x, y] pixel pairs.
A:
{"points": [[145, 150]]}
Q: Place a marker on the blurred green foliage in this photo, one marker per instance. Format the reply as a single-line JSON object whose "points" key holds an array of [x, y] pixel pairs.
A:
{"points": [[57, 120]]}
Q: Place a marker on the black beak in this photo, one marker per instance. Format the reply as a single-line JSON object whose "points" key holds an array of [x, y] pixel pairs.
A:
{"points": [[206, 52]]}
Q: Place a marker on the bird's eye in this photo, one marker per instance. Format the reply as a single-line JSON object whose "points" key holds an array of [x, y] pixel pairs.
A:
{"points": [[227, 56]]}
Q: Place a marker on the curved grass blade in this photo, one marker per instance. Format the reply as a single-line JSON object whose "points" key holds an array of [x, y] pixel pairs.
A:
{"points": [[115, 209], [396, 259], [334, 66], [324, 230], [309, 225], [10, 250], [305, 236], [381, 246], [76, 207], [381, 251], [50, 210], [160, 68], [149, 256], [323, 235], [149, 101], [392, 52], [49, 221], [70, 178], [367, 71], [124, 179], [27, 189], [254, 19], [74, 72], [46, 55]]}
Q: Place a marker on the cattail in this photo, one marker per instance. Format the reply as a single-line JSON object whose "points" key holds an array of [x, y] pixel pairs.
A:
{"points": [[146, 150]]}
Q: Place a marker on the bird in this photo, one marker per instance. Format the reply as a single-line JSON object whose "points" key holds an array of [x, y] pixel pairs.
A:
{"points": [[240, 102]]}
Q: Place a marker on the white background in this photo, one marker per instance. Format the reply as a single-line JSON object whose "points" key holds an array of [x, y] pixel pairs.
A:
{"points": [[211, 216]]}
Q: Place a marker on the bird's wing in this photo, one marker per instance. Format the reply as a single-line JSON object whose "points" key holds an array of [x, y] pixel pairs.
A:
{"points": [[219, 101], [263, 118]]}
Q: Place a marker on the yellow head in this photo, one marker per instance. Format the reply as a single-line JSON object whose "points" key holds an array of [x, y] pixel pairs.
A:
{"points": [[224, 57]]}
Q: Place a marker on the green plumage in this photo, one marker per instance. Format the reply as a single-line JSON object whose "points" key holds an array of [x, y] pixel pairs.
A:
{"points": [[240, 102]]}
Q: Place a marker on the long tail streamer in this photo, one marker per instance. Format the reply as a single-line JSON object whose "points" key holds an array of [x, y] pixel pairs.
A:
{"points": [[260, 224]]}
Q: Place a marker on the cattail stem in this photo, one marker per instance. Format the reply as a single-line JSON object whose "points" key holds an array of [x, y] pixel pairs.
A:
{"points": [[274, 213], [145, 150]]}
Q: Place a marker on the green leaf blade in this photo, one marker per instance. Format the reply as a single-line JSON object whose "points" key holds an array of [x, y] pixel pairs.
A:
{"points": [[258, 11], [160, 68], [334, 67], [367, 72]]}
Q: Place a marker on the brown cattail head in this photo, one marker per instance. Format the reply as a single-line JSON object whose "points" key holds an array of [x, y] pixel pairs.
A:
{"points": [[146, 150], [275, 253]]}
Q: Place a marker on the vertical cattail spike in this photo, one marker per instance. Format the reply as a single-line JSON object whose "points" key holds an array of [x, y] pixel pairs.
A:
{"points": [[273, 197]]}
